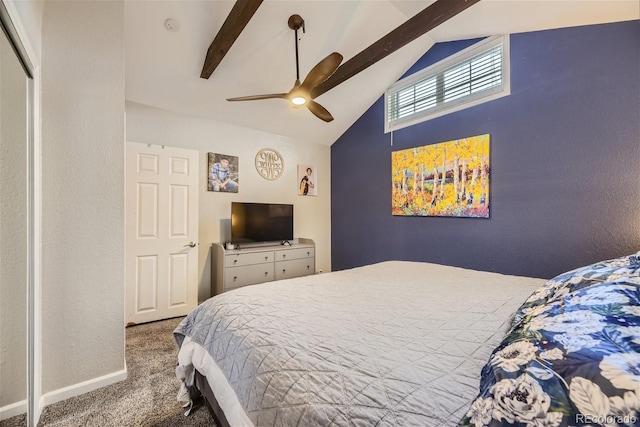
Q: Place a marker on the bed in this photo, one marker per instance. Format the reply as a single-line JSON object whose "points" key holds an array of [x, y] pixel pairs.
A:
{"points": [[403, 343]]}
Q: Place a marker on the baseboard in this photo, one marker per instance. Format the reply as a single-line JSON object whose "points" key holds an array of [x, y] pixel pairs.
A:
{"points": [[13, 410], [82, 388]]}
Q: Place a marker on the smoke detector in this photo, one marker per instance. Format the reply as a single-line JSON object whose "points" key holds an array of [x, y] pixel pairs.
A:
{"points": [[172, 25]]}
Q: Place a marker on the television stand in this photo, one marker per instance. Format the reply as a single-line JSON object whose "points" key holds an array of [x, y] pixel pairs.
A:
{"points": [[232, 269]]}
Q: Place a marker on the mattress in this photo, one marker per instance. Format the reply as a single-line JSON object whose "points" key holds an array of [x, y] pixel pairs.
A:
{"points": [[396, 343]]}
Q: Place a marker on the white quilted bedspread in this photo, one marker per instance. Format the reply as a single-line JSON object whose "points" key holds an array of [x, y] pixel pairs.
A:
{"points": [[391, 344]]}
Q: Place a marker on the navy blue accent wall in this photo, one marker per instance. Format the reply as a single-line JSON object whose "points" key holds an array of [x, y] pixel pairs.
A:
{"points": [[565, 163]]}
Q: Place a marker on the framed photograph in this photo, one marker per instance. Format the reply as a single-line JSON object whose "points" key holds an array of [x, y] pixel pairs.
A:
{"points": [[307, 180], [446, 179], [222, 173]]}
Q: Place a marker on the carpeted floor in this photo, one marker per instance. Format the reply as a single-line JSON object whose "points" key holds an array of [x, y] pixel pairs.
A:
{"points": [[146, 398]]}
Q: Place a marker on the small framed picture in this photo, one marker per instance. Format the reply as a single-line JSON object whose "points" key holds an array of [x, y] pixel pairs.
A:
{"points": [[307, 180], [222, 175]]}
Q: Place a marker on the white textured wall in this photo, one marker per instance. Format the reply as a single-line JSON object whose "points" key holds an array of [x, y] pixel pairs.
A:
{"points": [[13, 227], [312, 215], [83, 191]]}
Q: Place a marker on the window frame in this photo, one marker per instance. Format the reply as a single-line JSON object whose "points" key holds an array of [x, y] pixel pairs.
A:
{"points": [[460, 103]]}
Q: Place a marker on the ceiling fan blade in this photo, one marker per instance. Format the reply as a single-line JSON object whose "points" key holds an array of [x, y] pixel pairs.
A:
{"points": [[319, 111], [322, 71], [257, 97]]}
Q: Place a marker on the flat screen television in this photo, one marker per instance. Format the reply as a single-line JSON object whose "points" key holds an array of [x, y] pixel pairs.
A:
{"points": [[261, 222]]}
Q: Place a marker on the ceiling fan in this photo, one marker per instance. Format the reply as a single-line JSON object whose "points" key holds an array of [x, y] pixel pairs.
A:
{"points": [[300, 94]]}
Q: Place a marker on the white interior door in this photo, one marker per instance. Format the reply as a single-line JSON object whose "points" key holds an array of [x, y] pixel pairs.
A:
{"points": [[162, 232]]}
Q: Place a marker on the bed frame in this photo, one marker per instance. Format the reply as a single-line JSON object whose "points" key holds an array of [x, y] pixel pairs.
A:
{"points": [[209, 399]]}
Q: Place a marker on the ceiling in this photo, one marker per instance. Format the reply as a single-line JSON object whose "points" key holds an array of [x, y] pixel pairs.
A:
{"points": [[163, 67]]}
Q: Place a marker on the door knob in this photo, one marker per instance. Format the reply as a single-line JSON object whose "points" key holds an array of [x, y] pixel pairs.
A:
{"points": [[190, 245]]}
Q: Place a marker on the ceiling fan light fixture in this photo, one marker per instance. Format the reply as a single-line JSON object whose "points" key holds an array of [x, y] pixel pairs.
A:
{"points": [[299, 100]]}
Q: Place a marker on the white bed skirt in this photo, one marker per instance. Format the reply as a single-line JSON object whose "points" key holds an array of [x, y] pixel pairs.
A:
{"points": [[192, 353]]}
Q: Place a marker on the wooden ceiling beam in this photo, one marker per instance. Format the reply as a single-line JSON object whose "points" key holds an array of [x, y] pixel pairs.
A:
{"points": [[238, 18], [426, 20]]}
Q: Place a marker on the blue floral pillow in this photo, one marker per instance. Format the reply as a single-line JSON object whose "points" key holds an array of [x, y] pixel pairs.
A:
{"points": [[556, 288], [572, 357]]}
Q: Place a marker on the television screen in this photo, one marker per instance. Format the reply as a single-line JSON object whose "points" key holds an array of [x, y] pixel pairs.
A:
{"points": [[261, 222]]}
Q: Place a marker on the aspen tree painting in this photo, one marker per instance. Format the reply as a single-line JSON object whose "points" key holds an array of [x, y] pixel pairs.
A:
{"points": [[445, 179]]}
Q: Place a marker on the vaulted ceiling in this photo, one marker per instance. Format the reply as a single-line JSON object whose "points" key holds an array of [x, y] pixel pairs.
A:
{"points": [[163, 66]]}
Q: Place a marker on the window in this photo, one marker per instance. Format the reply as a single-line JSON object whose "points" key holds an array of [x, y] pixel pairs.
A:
{"points": [[472, 76]]}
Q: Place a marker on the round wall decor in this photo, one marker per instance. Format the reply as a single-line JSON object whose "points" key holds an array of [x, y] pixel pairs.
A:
{"points": [[269, 164]]}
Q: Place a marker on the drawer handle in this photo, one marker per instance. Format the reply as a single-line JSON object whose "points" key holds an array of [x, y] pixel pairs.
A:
{"points": [[235, 261], [266, 273], [308, 267], [308, 253], [266, 258], [284, 255], [235, 278], [284, 271]]}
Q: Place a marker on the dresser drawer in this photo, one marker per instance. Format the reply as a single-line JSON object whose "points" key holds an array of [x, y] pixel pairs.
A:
{"points": [[298, 253], [235, 268], [236, 277], [294, 268], [240, 259]]}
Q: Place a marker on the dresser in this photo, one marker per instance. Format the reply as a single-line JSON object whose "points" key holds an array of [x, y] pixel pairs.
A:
{"points": [[231, 269]]}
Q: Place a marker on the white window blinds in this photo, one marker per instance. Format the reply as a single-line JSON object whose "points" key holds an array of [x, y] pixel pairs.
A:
{"points": [[474, 75]]}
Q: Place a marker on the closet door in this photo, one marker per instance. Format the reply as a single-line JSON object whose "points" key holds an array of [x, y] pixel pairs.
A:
{"points": [[15, 220]]}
